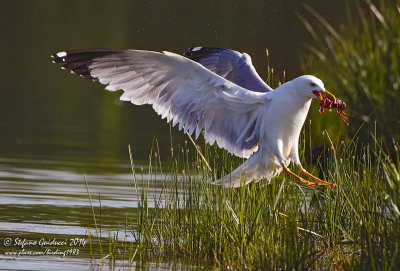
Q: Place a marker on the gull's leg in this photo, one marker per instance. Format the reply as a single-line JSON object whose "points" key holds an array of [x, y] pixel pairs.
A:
{"points": [[317, 180], [298, 178]]}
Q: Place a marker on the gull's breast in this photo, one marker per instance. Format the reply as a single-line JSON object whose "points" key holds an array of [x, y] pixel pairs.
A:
{"points": [[283, 123]]}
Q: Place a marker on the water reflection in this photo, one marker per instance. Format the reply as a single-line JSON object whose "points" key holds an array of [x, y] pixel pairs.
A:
{"points": [[51, 202], [60, 187]]}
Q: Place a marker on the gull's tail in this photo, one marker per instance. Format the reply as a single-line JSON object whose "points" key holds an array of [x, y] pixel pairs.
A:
{"points": [[244, 174], [254, 169]]}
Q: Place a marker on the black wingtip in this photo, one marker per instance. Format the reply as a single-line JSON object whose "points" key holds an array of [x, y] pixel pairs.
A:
{"points": [[79, 61], [76, 61], [59, 57], [199, 52]]}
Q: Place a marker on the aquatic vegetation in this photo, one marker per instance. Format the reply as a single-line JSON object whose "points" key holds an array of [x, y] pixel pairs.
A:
{"points": [[360, 61], [280, 225]]}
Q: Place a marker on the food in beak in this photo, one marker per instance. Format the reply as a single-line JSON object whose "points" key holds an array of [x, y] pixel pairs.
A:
{"points": [[329, 95], [338, 104], [326, 94], [316, 93]]}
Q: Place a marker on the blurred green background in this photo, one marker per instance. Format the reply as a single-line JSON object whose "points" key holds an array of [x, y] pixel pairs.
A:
{"points": [[361, 59], [49, 114]]}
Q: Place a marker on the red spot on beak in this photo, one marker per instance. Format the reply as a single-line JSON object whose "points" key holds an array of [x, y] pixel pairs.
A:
{"points": [[316, 93]]}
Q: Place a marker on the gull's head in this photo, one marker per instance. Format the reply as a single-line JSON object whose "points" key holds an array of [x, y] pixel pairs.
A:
{"points": [[312, 87]]}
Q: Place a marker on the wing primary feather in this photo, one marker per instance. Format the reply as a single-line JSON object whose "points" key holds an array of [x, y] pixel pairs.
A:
{"points": [[181, 90]]}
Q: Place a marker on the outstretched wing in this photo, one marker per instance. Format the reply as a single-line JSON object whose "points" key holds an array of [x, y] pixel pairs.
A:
{"points": [[231, 65], [180, 90]]}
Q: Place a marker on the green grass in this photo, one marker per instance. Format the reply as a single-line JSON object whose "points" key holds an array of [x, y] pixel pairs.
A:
{"points": [[360, 62], [281, 225]]}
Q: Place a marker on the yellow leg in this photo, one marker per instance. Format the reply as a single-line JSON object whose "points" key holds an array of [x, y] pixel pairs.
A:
{"points": [[298, 178], [317, 180]]}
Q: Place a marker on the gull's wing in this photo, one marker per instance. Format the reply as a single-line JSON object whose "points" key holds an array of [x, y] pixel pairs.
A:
{"points": [[180, 90], [231, 65]]}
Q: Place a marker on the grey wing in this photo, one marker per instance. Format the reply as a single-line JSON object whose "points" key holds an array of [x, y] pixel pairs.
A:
{"points": [[231, 65], [180, 90]]}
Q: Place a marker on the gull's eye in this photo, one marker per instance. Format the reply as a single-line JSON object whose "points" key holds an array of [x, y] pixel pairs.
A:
{"points": [[312, 84]]}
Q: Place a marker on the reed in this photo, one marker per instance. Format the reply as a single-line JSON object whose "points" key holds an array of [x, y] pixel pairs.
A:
{"points": [[360, 62], [276, 225]]}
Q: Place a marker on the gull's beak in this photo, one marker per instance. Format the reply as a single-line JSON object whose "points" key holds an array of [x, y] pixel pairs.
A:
{"points": [[329, 95], [317, 94]]}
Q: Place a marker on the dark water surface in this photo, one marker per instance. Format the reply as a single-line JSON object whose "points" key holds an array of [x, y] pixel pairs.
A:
{"points": [[55, 127]]}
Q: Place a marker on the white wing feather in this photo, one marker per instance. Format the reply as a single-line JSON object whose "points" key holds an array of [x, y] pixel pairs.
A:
{"points": [[180, 90]]}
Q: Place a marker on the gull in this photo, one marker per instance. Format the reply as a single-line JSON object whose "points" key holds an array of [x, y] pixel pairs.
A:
{"points": [[217, 91]]}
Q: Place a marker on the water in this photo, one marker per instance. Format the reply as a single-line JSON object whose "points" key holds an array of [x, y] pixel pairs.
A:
{"points": [[56, 127], [50, 201]]}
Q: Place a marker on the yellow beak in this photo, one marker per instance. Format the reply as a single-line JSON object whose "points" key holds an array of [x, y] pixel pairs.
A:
{"points": [[329, 95]]}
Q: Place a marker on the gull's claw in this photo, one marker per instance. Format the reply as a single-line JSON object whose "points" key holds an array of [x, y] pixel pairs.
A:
{"points": [[317, 180], [298, 178]]}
